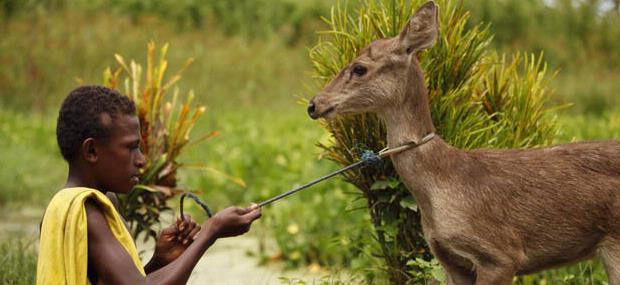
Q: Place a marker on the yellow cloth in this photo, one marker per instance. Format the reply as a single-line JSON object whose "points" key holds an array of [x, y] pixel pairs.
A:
{"points": [[63, 249]]}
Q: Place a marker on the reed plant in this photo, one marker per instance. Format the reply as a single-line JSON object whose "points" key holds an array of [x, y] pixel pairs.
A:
{"points": [[478, 99], [166, 121]]}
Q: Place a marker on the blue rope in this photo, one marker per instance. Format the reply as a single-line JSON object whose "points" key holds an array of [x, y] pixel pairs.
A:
{"points": [[368, 158]]}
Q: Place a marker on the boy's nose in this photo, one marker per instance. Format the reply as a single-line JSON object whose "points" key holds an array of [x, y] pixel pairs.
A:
{"points": [[140, 160]]}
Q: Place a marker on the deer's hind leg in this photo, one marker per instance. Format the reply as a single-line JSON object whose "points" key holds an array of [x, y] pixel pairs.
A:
{"points": [[609, 251]]}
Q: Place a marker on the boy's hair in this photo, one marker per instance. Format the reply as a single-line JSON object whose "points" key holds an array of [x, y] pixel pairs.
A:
{"points": [[80, 115]]}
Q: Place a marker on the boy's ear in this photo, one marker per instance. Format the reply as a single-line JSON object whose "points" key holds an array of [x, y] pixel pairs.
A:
{"points": [[421, 31], [88, 150]]}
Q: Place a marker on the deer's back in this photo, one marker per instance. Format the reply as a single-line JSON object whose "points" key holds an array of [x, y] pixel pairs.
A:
{"points": [[559, 201]]}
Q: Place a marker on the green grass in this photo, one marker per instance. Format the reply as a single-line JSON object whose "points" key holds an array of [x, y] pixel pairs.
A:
{"points": [[41, 64], [18, 261], [31, 166]]}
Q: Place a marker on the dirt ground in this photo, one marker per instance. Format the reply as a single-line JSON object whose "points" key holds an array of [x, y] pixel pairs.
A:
{"points": [[227, 263]]}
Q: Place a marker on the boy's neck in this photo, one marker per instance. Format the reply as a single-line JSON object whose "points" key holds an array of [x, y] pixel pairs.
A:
{"points": [[78, 177]]}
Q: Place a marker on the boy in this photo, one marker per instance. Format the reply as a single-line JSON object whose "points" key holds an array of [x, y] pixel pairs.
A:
{"points": [[83, 239]]}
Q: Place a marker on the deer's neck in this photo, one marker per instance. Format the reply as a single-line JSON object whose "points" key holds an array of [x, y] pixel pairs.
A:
{"points": [[410, 119]]}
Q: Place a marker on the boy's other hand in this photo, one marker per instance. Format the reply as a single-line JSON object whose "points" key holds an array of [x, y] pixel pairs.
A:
{"points": [[174, 239], [234, 221]]}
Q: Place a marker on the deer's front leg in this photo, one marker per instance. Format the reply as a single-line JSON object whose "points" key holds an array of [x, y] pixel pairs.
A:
{"points": [[455, 274], [494, 275]]}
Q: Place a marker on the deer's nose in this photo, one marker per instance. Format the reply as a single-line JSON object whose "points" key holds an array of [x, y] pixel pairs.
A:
{"points": [[311, 110]]}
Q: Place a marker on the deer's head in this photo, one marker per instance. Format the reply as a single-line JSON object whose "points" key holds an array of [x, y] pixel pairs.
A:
{"points": [[380, 76]]}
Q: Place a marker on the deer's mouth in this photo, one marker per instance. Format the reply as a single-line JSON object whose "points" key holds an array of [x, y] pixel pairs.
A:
{"points": [[315, 111], [328, 113], [315, 114]]}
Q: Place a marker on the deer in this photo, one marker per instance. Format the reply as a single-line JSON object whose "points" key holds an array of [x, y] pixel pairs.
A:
{"points": [[487, 214]]}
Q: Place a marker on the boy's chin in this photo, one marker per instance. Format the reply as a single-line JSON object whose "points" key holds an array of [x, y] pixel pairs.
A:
{"points": [[128, 189], [125, 189]]}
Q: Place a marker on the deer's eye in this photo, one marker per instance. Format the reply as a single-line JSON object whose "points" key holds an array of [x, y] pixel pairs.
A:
{"points": [[359, 70]]}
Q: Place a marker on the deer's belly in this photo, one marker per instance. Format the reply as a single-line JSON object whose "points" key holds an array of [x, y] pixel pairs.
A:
{"points": [[551, 251]]}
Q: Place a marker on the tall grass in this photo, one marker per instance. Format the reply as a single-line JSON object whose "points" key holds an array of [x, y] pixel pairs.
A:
{"points": [[40, 63], [31, 167], [291, 21], [18, 261], [571, 33]]}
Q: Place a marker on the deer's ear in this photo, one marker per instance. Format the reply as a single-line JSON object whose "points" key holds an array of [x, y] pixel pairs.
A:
{"points": [[421, 30]]}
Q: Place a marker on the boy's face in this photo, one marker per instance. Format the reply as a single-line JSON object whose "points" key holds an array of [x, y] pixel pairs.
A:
{"points": [[119, 156]]}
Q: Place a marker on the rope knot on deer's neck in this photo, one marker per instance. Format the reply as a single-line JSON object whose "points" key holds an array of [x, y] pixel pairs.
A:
{"points": [[370, 158], [388, 151]]}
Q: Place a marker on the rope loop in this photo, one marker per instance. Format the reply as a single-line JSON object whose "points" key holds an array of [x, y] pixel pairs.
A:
{"points": [[198, 200]]}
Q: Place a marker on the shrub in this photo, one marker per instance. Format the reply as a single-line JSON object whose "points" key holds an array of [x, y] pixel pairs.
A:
{"points": [[166, 122], [478, 99]]}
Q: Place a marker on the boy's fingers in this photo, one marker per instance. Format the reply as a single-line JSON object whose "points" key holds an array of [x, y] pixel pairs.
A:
{"points": [[170, 230], [253, 206], [194, 233], [194, 237], [241, 211], [254, 214], [182, 223], [188, 226]]}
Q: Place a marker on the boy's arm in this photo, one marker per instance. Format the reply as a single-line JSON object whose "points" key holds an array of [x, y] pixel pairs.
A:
{"points": [[167, 248], [114, 265], [106, 255]]}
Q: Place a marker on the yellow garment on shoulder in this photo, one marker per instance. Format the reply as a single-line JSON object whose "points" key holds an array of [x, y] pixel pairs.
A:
{"points": [[63, 248]]}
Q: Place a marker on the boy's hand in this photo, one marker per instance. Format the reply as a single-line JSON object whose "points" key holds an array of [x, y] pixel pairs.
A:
{"points": [[174, 239], [234, 221]]}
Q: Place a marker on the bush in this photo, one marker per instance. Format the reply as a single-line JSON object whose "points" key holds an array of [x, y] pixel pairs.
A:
{"points": [[478, 99]]}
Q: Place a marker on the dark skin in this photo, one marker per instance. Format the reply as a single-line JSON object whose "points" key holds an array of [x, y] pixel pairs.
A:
{"points": [[172, 241], [112, 165]]}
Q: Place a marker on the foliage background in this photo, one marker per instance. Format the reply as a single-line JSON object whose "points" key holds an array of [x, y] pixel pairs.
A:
{"points": [[250, 71]]}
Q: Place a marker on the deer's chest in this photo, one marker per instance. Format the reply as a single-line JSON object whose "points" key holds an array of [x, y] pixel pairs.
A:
{"points": [[435, 190]]}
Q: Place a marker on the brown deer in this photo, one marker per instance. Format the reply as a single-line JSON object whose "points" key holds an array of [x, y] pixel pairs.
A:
{"points": [[487, 215]]}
